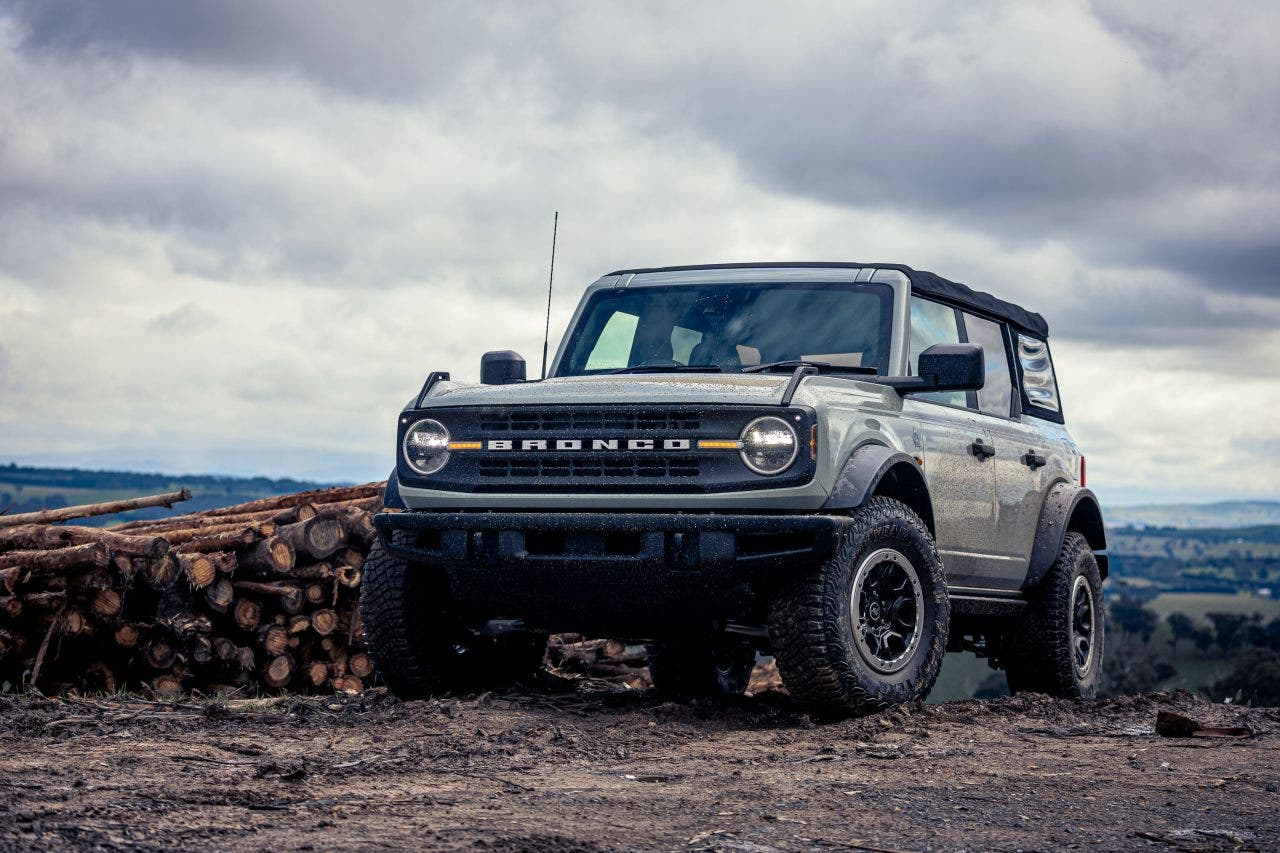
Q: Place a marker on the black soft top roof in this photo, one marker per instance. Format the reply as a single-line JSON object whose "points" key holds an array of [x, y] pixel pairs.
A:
{"points": [[926, 283]]}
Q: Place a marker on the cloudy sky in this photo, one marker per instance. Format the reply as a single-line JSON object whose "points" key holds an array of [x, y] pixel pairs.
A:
{"points": [[234, 236]]}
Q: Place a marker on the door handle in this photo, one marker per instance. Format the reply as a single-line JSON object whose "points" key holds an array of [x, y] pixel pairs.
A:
{"points": [[1034, 460], [981, 451]]}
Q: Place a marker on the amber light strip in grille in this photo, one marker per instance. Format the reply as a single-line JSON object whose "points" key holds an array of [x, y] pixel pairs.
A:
{"points": [[464, 445], [719, 444]]}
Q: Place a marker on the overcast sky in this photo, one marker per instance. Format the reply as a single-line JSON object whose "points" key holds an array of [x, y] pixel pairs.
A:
{"points": [[235, 236]]}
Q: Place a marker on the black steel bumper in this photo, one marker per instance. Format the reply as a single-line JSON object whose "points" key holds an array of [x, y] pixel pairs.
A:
{"points": [[630, 574]]}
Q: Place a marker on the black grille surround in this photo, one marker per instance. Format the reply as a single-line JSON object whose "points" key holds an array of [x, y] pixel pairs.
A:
{"points": [[677, 471]]}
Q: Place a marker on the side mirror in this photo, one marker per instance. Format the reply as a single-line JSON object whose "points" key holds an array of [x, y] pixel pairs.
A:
{"points": [[502, 367], [944, 367]]}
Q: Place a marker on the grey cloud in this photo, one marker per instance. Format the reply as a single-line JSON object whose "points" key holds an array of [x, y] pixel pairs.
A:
{"points": [[186, 319]]}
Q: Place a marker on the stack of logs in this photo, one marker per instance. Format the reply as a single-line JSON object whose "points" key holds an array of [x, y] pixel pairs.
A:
{"points": [[262, 595]]}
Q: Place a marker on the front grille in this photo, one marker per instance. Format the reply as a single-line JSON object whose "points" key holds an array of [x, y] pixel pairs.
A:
{"points": [[614, 465], [603, 420], [650, 468]]}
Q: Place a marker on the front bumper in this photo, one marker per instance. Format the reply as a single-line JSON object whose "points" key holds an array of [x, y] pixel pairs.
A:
{"points": [[628, 574]]}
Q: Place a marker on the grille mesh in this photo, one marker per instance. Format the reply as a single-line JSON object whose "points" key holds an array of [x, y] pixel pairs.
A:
{"points": [[587, 419], [560, 467]]}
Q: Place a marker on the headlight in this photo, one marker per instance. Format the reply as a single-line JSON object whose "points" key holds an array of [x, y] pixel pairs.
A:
{"points": [[426, 446], [769, 445]]}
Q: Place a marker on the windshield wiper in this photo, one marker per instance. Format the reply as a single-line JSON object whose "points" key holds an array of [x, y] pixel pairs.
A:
{"points": [[664, 368], [820, 366]]}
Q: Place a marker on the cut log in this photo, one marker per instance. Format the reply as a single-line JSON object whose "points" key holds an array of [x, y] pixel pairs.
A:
{"points": [[260, 530], [46, 537], [314, 571], [127, 636], [166, 686], [161, 654], [247, 613], [74, 623], [316, 496], [317, 537], [272, 556], [88, 554], [234, 540], [350, 557], [245, 659], [10, 606], [219, 595], [160, 573], [324, 622], [47, 516], [348, 576], [317, 673], [314, 593], [200, 649], [274, 640], [299, 624], [279, 672], [360, 665], [289, 595], [199, 569], [347, 684], [107, 604]]}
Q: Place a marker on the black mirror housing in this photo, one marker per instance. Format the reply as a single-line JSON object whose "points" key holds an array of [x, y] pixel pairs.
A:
{"points": [[502, 367], [944, 367]]}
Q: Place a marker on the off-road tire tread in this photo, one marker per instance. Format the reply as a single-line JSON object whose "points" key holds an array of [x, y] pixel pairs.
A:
{"points": [[394, 609], [804, 628], [1039, 658]]}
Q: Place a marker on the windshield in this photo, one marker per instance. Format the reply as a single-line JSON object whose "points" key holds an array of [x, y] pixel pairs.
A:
{"points": [[732, 327]]}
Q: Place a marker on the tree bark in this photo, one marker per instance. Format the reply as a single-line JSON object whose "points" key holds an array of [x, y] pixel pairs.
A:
{"points": [[46, 516], [316, 496], [89, 554], [318, 537], [45, 537], [233, 540]]}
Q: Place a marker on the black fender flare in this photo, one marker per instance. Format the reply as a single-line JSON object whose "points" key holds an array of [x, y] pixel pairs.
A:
{"points": [[391, 494], [1066, 507], [878, 469]]}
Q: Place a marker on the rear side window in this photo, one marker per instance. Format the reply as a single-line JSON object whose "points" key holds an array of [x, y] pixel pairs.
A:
{"points": [[1039, 387], [996, 396], [933, 323]]}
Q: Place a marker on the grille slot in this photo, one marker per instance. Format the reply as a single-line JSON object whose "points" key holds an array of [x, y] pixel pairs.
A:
{"points": [[598, 420], [560, 467]]}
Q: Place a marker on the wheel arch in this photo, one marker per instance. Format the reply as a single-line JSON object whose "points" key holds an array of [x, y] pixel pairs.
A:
{"points": [[1067, 509], [879, 470], [391, 494]]}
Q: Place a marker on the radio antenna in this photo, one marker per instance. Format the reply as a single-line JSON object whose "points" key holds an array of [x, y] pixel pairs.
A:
{"points": [[546, 337]]}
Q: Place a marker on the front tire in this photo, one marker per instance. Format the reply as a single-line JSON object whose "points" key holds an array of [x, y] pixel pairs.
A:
{"points": [[1057, 645], [405, 613], [868, 629]]}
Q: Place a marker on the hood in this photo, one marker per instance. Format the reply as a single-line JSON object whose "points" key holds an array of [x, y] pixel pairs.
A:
{"points": [[733, 388]]}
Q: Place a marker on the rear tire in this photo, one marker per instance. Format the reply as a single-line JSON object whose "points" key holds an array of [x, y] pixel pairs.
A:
{"points": [[691, 669], [868, 629], [1057, 646], [406, 617]]}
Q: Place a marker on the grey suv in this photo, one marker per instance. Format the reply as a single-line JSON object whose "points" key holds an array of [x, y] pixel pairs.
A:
{"points": [[852, 467]]}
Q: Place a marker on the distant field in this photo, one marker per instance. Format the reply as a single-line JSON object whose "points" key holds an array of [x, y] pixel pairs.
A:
{"points": [[28, 489], [1197, 604]]}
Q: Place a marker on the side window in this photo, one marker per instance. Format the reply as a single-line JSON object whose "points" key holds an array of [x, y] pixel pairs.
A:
{"points": [[933, 323], [996, 396], [613, 347], [1038, 384]]}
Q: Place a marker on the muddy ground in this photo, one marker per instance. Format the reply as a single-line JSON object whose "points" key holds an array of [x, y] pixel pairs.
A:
{"points": [[584, 768]]}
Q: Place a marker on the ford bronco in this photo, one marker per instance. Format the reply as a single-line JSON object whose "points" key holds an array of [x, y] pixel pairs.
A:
{"points": [[851, 467]]}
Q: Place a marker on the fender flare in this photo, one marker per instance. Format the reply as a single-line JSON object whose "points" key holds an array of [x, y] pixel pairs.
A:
{"points": [[1066, 508], [391, 494], [872, 466]]}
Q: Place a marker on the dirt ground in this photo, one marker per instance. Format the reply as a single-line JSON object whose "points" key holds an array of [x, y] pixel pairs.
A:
{"points": [[565, 767]]}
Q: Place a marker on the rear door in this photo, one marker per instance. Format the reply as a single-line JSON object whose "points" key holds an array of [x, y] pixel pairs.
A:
{"points": [[1019, 455], [953, 442]]}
